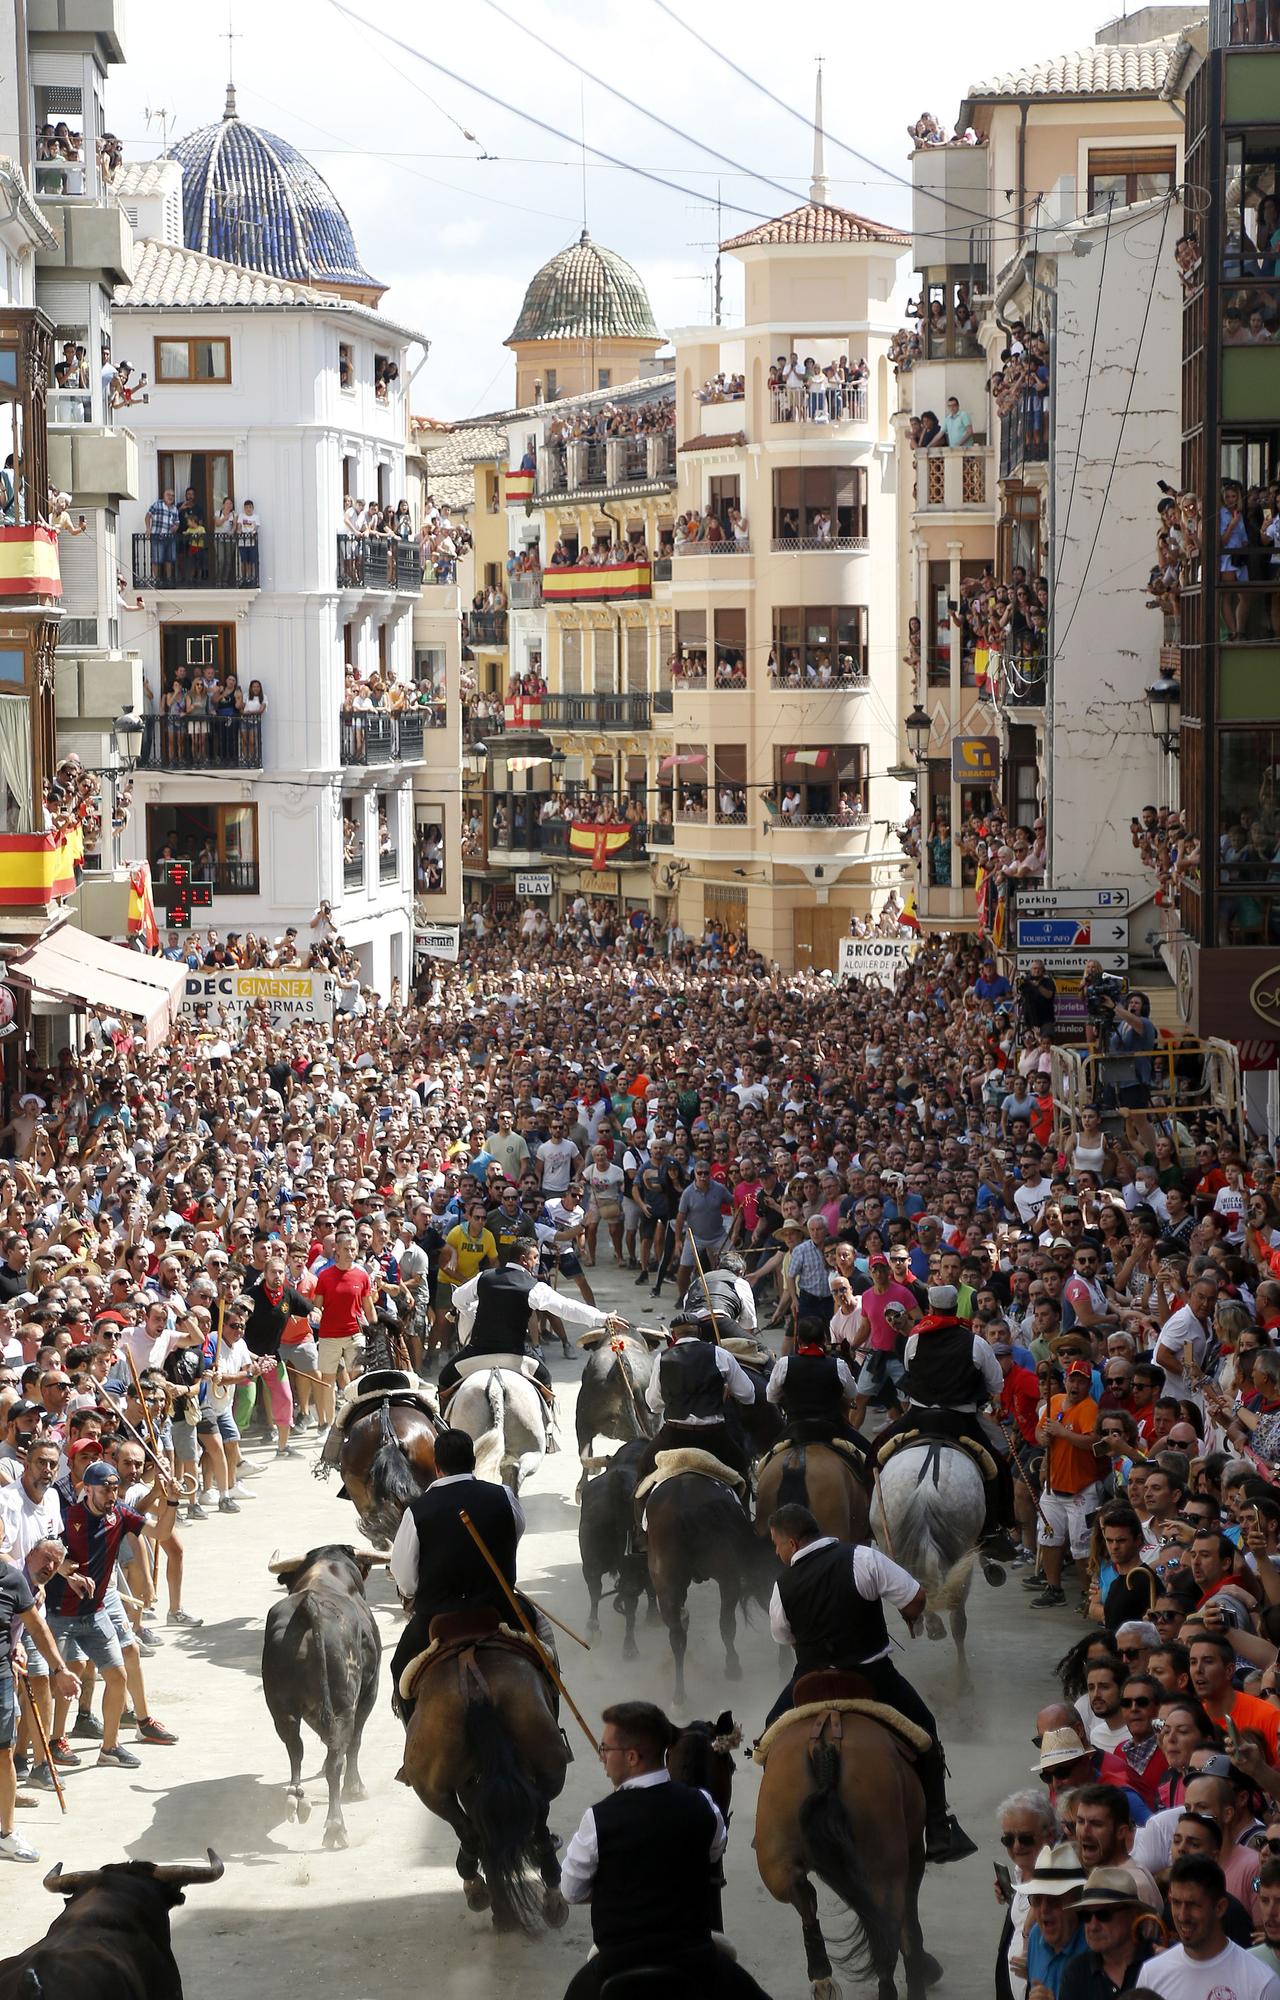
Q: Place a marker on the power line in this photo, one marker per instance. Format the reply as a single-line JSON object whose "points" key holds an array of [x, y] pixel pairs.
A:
{"points": [[674, 187], [791, 112]]}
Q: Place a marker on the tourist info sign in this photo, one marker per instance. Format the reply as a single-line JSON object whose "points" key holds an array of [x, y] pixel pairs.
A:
{"points": [[1072, 933], [1049, 902]]}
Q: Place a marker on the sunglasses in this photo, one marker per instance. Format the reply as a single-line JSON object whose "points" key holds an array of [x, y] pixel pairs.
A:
{"points": [[1272, 1846], [1008, 1840], [1104, 1916], [1137, 1701], [1130, 1652], [1165, 1617]]}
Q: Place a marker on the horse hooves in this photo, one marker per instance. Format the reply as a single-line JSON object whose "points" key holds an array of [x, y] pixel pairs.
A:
{"points": [[993, 1572], [593, 1625], [303, 1809], [826, 1989], [934, 1626], [630, 1650], [335, 1834], [555, 1910], [930, 1968], [505, 1920], [291, 1807], [652, 1616], [356, 1789], [476, 1892], [733, 1670]]}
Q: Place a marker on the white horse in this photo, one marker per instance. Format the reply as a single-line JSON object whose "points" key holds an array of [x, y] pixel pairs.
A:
{"points": [[502, 1410], [927, 1514]]}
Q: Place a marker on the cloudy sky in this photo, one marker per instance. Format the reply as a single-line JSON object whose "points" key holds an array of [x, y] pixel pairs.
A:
{"points": [[456, 224]]}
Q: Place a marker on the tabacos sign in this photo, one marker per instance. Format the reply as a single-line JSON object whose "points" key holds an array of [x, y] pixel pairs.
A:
{"points": [[975, 760]]}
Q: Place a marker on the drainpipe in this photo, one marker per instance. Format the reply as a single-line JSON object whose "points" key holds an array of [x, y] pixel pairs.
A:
{"points": [[1024, 106]]}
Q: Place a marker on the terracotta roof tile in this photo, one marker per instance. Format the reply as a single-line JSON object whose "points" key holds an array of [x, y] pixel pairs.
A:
{"points": [[818, 222], [1104, 69], [723, 441]]}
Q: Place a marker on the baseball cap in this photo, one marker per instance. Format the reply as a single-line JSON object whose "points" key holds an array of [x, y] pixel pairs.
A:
{"points": [[99, 1473], [1079, 1368], [877, 1261], [24, 1409]]}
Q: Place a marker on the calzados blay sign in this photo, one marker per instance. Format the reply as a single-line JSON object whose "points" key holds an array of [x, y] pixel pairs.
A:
{"points": [[880, 958], [228, 999]]}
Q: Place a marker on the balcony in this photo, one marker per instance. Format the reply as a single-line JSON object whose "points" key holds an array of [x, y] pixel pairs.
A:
{"points": [[389, 865], [593, 583], [29, 564], [575, 841], [595, 711], [200, 743], [720, 549], [377, 562], [89, 459], [952, 479], [486, 628], [1021, 677], [1024, 433], [840, 680], [35, 870], [836, 403], [802, 545], [662, 834], [605, 466], [851, 821], [526, 591], [370, 737], [231, 878], [226, 562], [353, 871]]}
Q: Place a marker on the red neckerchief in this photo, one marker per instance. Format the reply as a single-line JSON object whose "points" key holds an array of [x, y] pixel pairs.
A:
{"points": [[272, 1298]]}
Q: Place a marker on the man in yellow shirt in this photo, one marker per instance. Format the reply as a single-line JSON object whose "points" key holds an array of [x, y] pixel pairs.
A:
{"points": [[468, 1249]]}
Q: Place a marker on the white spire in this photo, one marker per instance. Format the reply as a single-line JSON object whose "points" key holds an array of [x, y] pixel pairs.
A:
{"points": [[818, 185]]}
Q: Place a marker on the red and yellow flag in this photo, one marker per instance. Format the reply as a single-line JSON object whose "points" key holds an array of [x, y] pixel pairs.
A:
{"points": [[142, 910], [907, 915], [597, 841]]}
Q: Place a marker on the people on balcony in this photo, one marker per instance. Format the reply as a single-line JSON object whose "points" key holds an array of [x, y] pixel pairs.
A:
{"points": [[957, 425], [723, 388], [807, 391], [613, 420]]}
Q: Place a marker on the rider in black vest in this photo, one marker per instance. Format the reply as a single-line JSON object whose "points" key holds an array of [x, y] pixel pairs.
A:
{"points": [[716, 1292], [813, 1389], [688, 1388], [435, 1562], [828, 1604], [645, 1858], [951, 1372]]}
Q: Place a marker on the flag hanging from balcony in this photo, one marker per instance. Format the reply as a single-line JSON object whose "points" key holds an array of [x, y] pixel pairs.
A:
{"points": [[598, 581], [518, 485], [598, 841], [35, 868], [673, 762], [142, 911], [907, 914], [815, 757], [29, 562]]}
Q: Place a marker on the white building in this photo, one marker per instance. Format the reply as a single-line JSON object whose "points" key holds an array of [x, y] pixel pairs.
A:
{"points": [[290, 395]]}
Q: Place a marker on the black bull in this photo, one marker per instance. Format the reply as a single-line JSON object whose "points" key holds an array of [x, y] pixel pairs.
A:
{"points": [[321, 1655], [112, 1937]]}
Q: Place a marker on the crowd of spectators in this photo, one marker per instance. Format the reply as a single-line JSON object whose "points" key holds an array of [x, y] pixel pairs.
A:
{"points": [[1178, 540], [440, 541], [613, 420], [729, 530], [1021, 384], [806, 391], [205, 718], [928, 132], [60, 158], [1168, 850], [723, 388], [1249, 555]]}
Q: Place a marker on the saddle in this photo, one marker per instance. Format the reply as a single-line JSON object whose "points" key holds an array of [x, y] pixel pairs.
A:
{"points": [[671, 1464], [460, 1635], [745, 1348], [806, 1431], [981, 1457], [389, 1386], [825, 1713], [515, 1364]]}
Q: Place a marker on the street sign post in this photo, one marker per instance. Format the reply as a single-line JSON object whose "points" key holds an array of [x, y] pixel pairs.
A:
{"points": [[1072, 963], [1050, 902], [1072, 933]]}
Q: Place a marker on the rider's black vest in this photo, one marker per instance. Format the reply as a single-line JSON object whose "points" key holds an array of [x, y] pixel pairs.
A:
{"points": [[811, 1388], [451, 1569], [691, 1384], [502, 1311], [718, 1291], [651, 1893], [942, 1370], [832, 1624]]}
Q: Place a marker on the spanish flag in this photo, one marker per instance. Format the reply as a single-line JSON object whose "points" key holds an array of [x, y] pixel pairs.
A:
{"points": [[597, 841], [907, 915], [142, 910]]}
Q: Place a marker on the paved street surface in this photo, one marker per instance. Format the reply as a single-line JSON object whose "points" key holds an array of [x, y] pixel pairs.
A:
{"points": [[386, 1917]]}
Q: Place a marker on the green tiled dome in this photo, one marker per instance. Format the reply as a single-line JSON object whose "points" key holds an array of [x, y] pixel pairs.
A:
{"points": [[585, 293]]}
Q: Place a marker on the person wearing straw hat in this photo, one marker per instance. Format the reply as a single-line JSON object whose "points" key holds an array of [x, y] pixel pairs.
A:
{"points": [[1055, 1937], [1111, 1915]]}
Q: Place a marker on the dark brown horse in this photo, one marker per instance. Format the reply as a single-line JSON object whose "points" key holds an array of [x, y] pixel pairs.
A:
{"points": [[698, 1531], [851, 1813], [702, 1755], [388, 1458], [821, 1479], [484, 1753]]}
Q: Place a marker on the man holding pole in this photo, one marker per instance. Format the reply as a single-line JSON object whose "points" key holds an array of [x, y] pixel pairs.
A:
{"points": [[17, 1602], [436, 1563]]}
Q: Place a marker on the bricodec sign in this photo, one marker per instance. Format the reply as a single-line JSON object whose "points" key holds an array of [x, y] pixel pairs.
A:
{"points": [[881, 959], [229, 999]]}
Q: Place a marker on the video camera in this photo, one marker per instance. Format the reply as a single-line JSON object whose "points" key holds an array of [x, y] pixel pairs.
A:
{"points": [[1101, 991]]}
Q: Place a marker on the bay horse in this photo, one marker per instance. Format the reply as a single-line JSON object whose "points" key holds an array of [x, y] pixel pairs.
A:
{"points": [[927, 1514], [484, 1752], [851, 1813], [388, 1458], [820, 1478], [701, 1755], [698, 1532]]}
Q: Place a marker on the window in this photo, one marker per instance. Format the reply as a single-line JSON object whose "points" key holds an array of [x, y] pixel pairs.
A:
{"points": [[200, 478], [691, 648], [691, 776], [348, 644], [551, 385], [938, 842], [1129, 176], [604, 376], [821, 787], [428, 851], [818, 646], [220, 842], [193, 360], [949, 327], [731, 784], [731, 649], [820, 504], [386, 378], [346, 367], [195, 652]]}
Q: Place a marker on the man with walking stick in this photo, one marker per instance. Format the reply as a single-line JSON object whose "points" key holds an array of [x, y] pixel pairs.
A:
{"points": [[18, 1602]]}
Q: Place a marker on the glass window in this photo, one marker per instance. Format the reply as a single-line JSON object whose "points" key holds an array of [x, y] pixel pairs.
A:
{"points": [[819, 645], [822, 786], [220, 842], [820, 504], [193, 360], [1119, 179]]}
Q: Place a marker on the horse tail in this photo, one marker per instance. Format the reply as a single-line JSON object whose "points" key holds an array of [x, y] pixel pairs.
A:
{"points": [[504, 1811], [831, 1853], [491, 1445], [792, 1490], [392, 1482]]}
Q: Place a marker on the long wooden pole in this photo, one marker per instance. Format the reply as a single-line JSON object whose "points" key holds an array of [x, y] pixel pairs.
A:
{"points": [[715, 1324], [38, 1727], [1011, 1437], [642, 1429], [529, 1632], [561, 1626]]}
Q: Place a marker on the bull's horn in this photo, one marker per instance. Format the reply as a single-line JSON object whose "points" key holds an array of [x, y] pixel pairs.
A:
{"points": [[280, 1563], [67, 1885], [367, 1556], [180, 1873]]}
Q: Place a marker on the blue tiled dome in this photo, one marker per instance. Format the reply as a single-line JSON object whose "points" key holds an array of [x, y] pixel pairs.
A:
{"points": [[251, 199]]}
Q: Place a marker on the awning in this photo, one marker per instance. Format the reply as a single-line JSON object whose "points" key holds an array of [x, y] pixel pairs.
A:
{"points": [[86, 970]]}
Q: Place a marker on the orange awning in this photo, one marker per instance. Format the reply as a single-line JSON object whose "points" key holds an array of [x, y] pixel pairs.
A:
{"points": [[88, 971]]}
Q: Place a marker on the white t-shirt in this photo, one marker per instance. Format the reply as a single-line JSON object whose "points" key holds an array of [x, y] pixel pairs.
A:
{"points": [[1183, 1336], [24, 1522], [1230, 1202], [559, 1158], [604, 1181], [1235, 1974], [1027, 1199], [234, 1356]]}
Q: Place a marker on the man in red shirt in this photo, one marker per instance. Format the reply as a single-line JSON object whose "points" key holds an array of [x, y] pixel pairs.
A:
{"points": [[1020, 1397], [344, 1292]]}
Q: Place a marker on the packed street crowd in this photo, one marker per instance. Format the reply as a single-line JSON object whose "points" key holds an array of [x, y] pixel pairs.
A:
{"points": [[206, 1242]]}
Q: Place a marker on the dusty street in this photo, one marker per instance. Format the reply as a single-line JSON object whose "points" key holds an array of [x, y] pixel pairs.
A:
{"points": [[386, 1917]]}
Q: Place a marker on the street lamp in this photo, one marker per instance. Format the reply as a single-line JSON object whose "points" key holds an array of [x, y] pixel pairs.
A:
{"points": [[127, 732], [1164, 705], [919, 729], [479, 759]]}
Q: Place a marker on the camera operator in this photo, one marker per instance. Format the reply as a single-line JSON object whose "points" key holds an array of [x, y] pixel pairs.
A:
{"points": [[1037, 992], [1122, 1025]]}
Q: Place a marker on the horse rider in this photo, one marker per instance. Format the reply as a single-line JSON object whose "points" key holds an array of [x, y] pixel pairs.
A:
{"points": [[951, 1373], [724, 1292], [687, 1390], [814, 1389], [829, 1604], [644, 1858], [436, 1565], [493, 1317]]}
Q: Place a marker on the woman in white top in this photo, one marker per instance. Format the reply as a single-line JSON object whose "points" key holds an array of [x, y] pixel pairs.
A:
{"points": [[604, 1183], [1087, 1149]]}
